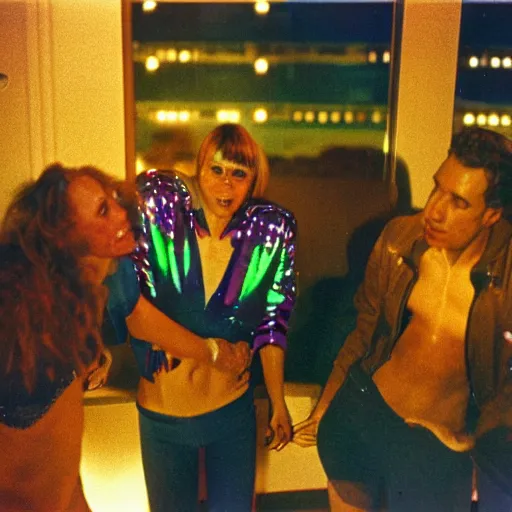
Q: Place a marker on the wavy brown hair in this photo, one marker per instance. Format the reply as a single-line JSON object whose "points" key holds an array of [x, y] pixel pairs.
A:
{"points": [[481, 148], [50, 315]]}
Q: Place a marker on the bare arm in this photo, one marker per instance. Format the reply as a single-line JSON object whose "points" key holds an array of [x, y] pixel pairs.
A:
{"points": [[367, 301], [148, 323], [280, 430]]}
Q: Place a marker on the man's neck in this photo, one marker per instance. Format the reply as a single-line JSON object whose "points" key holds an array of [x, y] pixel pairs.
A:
{"points": [[471, 253]]}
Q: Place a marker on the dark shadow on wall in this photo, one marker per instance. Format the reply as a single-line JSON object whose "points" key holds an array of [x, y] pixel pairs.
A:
{"points": [[325, 314], [341, 205]]}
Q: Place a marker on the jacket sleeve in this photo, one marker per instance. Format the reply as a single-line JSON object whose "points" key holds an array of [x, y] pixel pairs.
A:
{"points": [[281, 295], [493, 448], [124, 293], [368, 302]]}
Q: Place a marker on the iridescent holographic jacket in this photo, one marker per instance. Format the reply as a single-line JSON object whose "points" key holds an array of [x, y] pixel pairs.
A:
{"points": [[255, 296]]}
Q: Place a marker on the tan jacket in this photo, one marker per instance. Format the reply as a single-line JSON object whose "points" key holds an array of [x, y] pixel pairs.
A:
{"points": [[381, 303]]}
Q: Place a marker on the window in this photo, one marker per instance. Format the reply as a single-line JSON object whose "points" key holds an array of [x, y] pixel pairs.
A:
{"points": [[484, 80], [310, 81]]}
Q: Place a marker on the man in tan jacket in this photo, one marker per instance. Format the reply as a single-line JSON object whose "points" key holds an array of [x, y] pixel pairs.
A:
{"points": [[425, 379]]}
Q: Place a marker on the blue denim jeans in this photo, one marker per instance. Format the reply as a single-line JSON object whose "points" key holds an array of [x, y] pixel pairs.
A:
{"points": [[170, 447]]}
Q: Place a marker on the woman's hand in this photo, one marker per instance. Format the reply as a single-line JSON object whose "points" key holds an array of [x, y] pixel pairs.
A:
{"points": [[233, 357], [305, 432], [99, 375], [279, 431]]}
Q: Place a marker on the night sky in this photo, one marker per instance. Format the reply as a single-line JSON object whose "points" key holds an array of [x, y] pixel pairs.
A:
{"points": [[293, 22], [484, 26]]}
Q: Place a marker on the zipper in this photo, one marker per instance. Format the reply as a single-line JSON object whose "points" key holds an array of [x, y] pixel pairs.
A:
{"points": [[405, 299], [395, 334], [466, 337]]}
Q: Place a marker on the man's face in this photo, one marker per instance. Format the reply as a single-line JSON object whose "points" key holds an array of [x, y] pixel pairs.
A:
{"points": [[456, 213], [100, 223]]}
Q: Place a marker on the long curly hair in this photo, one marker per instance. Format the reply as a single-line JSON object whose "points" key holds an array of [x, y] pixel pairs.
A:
{"points": [[50, 314]]}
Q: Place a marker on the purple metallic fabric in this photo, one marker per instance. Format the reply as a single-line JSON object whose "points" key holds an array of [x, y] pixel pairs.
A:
{"points": [[255, 297]]}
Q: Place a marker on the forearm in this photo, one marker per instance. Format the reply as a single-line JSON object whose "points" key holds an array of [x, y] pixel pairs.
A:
{"points": [[272, 361], [333, 384], [148, 323]]}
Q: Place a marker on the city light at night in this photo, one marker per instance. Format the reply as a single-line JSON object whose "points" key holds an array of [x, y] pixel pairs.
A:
{"points": [[261, 66], [149, 6], [152, 63], [260, 115], [262, 7], [469, 119], [473, 62]]}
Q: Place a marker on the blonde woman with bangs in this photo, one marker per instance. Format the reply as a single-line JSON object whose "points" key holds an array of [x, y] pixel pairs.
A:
{"points": [[218, 259]]}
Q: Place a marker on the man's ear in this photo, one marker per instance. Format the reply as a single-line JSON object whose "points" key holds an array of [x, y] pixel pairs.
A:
{"points": [[491, 216]]}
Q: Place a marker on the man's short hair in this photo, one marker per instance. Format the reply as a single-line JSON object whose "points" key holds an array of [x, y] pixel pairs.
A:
{"points": [[481, 148]]}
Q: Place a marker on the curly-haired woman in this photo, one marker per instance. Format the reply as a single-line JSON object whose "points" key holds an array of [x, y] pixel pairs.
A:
{"points": [[58, 240]]}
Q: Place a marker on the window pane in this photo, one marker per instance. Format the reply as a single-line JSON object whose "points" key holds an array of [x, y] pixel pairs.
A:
{"points": [[484, 80], [310, 81], [305, 78]]}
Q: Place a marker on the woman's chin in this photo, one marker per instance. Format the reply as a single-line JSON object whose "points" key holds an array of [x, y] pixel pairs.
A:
{"points": [[124, 247]]}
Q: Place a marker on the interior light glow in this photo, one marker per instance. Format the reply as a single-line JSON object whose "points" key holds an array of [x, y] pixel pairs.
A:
{"points": [[152, 63], [372, 57], [222, 116], [481, 119], [228, 116], [184, 56], [473, 61], [385, 144], [469, 119], [484, 61], [171, 55], [323, 117], [505, 120], [506, 62], [495, 62], [172, 116], [184, 116], [140, 165], [386, 57], [161, 116], [309, 116], [148, 6], [335, 117], [261, 7], [376, 117], [493, 120], [298, 116], [348, 117], [261, 66], [361, 117], [260, 115]]}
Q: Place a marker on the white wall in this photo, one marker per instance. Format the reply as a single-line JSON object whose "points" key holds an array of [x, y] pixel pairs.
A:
{"points": [[15, 152], [65, 96], [64, 100], [111, 465], [426, 95]]}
